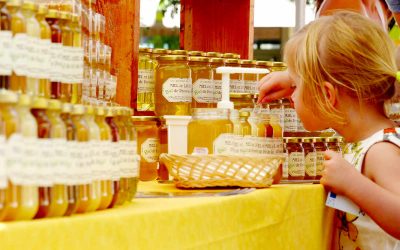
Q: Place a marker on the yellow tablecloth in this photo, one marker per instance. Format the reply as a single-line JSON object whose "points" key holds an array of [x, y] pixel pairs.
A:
{"points": [[281, 217]]}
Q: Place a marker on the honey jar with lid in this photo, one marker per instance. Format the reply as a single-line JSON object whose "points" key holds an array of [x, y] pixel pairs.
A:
{"points": [[217, 78], [320, 148], [236, 81], [146, 83], [203, 85], [333, 143], [295, 152], [249, 80], [310, 159]]}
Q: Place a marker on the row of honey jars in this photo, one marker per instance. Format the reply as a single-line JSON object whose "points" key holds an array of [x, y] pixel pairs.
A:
{"points": [[305, 156], [44, 59], [50, 122]]}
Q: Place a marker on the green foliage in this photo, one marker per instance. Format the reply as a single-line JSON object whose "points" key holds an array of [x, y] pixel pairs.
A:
{"points": [[164, 4]]}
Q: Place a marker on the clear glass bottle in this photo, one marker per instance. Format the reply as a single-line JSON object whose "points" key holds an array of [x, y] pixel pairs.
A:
{"points": [[94, 136], [10, 125], [310, 159], [148, 145], [295, 152], [173, 86], [203, 85], [45, 41], [5, 45], [18, 28], [249, 80], [146, 83], [214, 121], [107, 188], [38, 110], [58, 134]]}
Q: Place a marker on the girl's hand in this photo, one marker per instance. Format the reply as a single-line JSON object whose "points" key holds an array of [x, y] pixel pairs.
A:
{"points": [[275, 85], [338, 173]]}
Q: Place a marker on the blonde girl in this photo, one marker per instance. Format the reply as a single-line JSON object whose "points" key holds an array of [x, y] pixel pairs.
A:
{"points": [[343, 69]]}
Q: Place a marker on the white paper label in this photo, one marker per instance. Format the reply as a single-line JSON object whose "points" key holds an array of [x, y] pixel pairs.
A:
{"points": [[236, 86], [217, 90], [146, 82], [250, 87], [114, 162], [203, 91], [296, 164], [177, 90], [310, 164], [19, 54], [55, 62], [44, 154], [320, 162], [150, 150], [280, 113], [35, 59], [44, 57], [290, 122], [6, 62], [285, 168]]}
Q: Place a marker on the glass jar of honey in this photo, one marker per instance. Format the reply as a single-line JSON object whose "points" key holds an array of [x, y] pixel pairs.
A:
{"points": [[148, 143], [203, 85], [124, 134], [173, 86], [290, 118], [107, 188], [249, 80], [163, 135], [146, 83], [76, 95], [310, 159], [217, 78], [236, 82], [10, 126], [67, 43], [333, 143], [320, 149], [242, 101], [215, 122], [276, 126], [5, 46], [45, 43], [295, 152]]}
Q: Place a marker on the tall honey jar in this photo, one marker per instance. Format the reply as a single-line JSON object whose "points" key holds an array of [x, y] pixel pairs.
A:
{"points": [[45, 44], [295, 152], [173, 86], [5, 46], [310, 159], [203, 85], [320, 149], [217, 78], [236, 81], [146, 83], [214, 121], [249, 80], [148, 143]]}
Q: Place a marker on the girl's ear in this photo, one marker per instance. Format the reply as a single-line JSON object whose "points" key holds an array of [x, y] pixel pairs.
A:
{"points": [[331, 93]]}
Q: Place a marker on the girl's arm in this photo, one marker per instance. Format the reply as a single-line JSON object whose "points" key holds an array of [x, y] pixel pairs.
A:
{"points": [[377, 193]]}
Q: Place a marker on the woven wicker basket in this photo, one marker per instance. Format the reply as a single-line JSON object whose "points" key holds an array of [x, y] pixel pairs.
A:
{"points": [[198, 171]]}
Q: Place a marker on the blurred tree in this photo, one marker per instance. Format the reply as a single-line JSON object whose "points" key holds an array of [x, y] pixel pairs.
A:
{"points": [[164, 4]]}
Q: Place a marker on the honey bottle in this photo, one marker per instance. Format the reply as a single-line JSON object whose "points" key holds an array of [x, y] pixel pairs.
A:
{"points": [[245, 127], [107, 187], [70, 136], [58, 134], [217, 78], [26, 191], [19, 52], [29, 9], [76, 95], [236, 82], [110, 115], [10, 127], [123, 140], [67, 43], [45, 45], [203, 85], [146, 87], [38, 110], [310, 159], [320, 149], [94, 136], [84, 189], [52, 18], [249, 80], [173, 86], [295, 152], [5, 46], [276, 126], [234, 117]]}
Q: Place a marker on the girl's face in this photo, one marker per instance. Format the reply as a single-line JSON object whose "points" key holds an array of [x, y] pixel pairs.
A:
{"points": [[309, 116]]}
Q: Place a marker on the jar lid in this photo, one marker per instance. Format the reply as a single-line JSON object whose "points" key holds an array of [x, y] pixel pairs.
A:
{"points": [[14, 3], [241, 96], [172, 58], [78, 109], [318, 139], [232, 61], [42, 9], [160, 51], [144, 118], [40, 103], [65, 15], [119, 111], [24, 100], [265, 63], [53, 14], [231, 55], [75, 18], [145, 50], [100, 111], [110, 112], [278, 64], [244, 113], [199, 59], [197, 53], [55, 104], [29, 5], [179, 52], [293, 139], [89, 109], [216, 60], [333, 139], [307, 140], [66, 108], [213, 54], [248, 62]]}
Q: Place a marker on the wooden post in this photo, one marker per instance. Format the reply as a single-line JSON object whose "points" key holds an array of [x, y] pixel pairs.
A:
{"points": [[218, 25], [122, 34]]}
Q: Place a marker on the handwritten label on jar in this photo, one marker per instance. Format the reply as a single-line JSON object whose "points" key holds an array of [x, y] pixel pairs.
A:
{"points": [[290, 120], [296, 164], [320, 162], [236, 86], [19, 54], [150, 149], [250, 87], [146, 81], [217, 90], [177, 90], [310, 162], [5, 56], [203, 91]]}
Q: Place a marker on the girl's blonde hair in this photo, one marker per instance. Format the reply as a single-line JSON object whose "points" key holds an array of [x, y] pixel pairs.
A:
{"points": [[347, 50]]}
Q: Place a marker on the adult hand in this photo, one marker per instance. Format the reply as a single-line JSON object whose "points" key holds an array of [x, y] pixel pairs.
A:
{"points": [[338, 173], [275, 85]]}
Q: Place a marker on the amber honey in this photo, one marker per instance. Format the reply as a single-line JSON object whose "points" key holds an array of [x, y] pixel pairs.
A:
{"points": [[146, 83], [5, 29], [67, 42], [76, 88], [203, 85], [320, 149], [245, 127], [173, 86], [295, 152], [205, 127], [45, 36], [310, 159], [217, 78]]}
